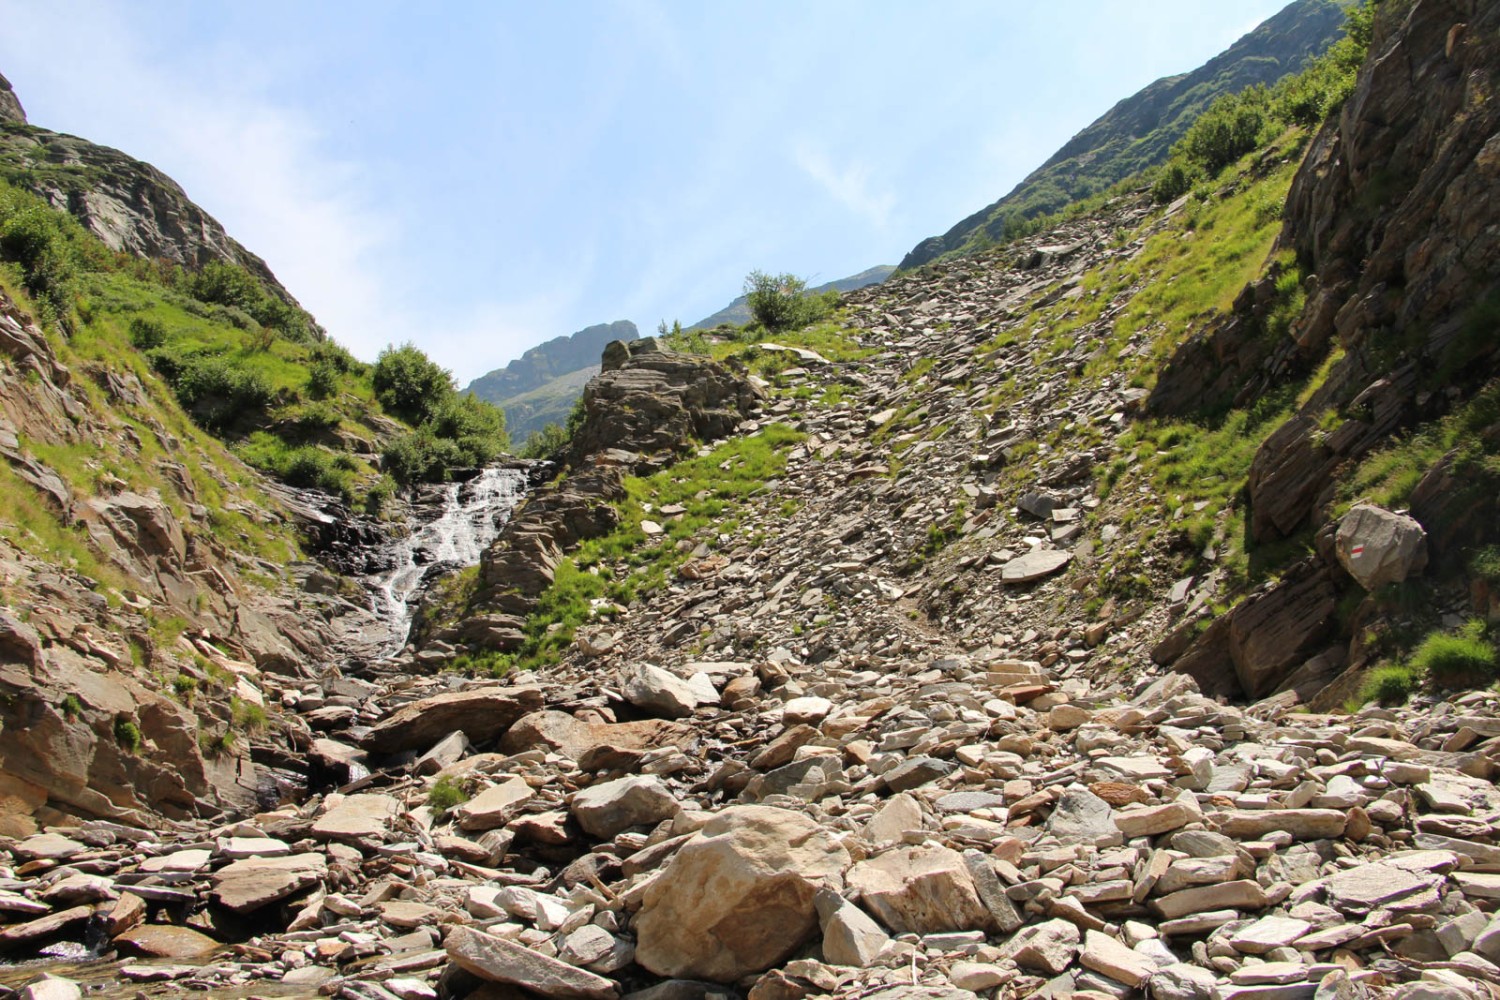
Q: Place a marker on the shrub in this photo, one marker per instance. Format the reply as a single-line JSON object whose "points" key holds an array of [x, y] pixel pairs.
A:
{"points": [[322, 379], [409, 384], [127, 734], [1458, 659], [1232, 126], [224, 284], [550, 440], [215, 390], [379, 496], [421, 456], [1391, 684], [781, 301], [146, 333], [34, 238]]}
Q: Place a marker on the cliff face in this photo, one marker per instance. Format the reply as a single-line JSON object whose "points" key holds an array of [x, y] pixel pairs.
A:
{"points": [[1139, 131], [130, 205], [10, 104]]}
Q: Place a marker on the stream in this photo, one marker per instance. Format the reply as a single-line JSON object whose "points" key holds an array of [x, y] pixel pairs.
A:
{"points": [[469, 516]]}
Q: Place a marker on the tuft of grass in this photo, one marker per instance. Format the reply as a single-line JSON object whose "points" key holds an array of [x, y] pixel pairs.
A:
{"points": [[1391, 684], [445, 794], [246, 716], [1464, 658], [128, 735]]}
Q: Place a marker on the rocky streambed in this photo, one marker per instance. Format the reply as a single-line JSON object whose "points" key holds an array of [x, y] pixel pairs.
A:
{"points": [[937, 826]]}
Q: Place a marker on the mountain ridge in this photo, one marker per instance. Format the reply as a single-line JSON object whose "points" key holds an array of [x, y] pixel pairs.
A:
{"points": [[1133, 135]]}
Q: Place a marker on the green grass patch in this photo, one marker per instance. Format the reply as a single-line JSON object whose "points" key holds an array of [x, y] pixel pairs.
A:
{"points": [[1465, 658], [627, 563]]}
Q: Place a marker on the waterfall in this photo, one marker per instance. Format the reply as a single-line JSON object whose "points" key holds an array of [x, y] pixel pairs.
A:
{"points": [[471, 517]]}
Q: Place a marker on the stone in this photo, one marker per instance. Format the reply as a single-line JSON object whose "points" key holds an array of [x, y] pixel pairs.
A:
{"points": [[977, 977], [1184, 982], [50, 987], [497, 960], [737, 898], [32, 931], [245, 886], [357, 818], [991, 892], [47, 847], [1370, 887], [605, 809], [1045, 947], [1242, 894], [165, 941], [1080, 816], [921, 890], [1035, 565], [1109, 957], [1378, 547], [916, 772], [239, 848], [1267, 934], [495, 806], [1153, 820], [850, 936], [899, 814], [661, 692], [482, 715], [806, 711], [1063, 718], [1303, 824]]}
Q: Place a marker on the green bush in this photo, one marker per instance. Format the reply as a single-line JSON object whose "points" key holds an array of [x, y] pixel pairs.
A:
{"points": [[215, 390], [409, 384], [34, 237], [421, 456], [1391, 684], [1460, 659], [322, 379], [781, 301], [549, 441], [146, 333], [127, 734]]}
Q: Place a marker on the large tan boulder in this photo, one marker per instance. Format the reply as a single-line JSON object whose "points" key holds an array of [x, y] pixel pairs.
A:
{"points": [[738, 898], [1378, 547]]}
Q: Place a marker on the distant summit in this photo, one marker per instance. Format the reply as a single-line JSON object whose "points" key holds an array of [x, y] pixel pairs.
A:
{"points": [[1139, 131], [738, 312], [541, 385]]}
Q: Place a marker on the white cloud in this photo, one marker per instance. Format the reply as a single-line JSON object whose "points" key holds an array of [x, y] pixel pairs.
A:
{"points": [[265, 172], [849, 186]]}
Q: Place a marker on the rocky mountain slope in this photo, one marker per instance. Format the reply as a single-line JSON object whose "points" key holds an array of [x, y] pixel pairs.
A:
{"points": [[129, 205], [992, 638], [1139, 131], [541, 386]]}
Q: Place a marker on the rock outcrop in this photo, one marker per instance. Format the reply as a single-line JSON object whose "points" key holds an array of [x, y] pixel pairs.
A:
{"points": [[10, 104], [647, 400]]}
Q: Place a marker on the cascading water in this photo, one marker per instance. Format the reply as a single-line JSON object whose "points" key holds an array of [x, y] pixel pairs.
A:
{"points": [[472, 515]]}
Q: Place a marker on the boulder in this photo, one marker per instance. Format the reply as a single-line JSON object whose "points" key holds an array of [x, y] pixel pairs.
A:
{"points": [[738, 898], [660, 692], [481, 715], [357, 818], [850, 936], [245, 886], [165, 941], [605, 809], [495, 806], [1378, 547], [923, 890]]}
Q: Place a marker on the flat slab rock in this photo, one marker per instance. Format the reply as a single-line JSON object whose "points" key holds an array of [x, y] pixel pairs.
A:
{"points": [[500, 961], [481, 715], [1034, 565]]}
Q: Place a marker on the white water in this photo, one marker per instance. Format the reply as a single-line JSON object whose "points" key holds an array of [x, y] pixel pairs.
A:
{"points": [[473, 513]]}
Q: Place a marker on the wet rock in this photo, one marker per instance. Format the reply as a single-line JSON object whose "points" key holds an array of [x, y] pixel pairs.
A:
{"points": [[165, 941]]}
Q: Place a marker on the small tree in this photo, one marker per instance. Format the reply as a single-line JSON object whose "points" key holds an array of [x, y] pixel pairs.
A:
{"points": [[781, 301], [409, 384]]}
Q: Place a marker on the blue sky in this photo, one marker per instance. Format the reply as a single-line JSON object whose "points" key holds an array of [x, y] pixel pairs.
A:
{"points": [[477, 177]]}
